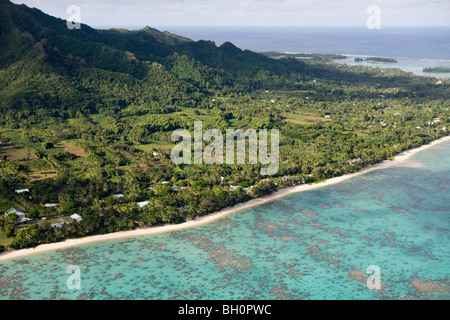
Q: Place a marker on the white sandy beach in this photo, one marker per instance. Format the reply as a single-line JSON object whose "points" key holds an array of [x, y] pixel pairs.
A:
{"points": [[217, 215]]}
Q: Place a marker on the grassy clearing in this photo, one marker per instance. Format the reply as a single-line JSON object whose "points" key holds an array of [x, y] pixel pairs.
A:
{"points": [[16, 154], [305, 119], [152, 147], [71, 149], [37, 165], [13, 135], [298, 122], [4, 240], [4, 205], [41, 176]]}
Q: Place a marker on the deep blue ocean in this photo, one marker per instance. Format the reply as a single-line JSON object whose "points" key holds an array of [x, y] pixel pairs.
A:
{"points": [[397, 42], [415, 48]]}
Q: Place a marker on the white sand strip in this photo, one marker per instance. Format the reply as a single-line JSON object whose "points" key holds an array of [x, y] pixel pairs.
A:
{"points": [[219, 214]]}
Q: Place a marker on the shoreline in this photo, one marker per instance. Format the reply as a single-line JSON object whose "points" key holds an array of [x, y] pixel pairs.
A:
{"points": [[409, 65], [399, 158]]}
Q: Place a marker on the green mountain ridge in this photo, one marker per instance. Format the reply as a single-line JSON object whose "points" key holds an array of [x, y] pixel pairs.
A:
{"points": [[51, 51], [40, 58]]}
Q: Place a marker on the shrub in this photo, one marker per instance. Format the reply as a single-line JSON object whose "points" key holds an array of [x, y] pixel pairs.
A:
{"points": [[48, 145]]}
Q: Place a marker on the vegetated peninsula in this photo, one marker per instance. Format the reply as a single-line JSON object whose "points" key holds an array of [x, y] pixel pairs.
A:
{"points": [[376, 59], [87, 118], [439, 69], [304, 56]]}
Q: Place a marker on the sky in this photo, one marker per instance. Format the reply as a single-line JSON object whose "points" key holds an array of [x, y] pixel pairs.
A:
{"points": [[157, 13]]}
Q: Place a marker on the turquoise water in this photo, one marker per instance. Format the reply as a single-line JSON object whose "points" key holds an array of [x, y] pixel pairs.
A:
{"points": [[415, 66], [311, 245]]}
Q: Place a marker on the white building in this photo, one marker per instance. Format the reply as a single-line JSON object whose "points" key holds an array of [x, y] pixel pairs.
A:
{"points": [[58, 225], [76, 217], [143, 203]]}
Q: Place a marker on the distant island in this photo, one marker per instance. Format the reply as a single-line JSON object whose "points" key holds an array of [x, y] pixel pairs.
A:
{"points": [[437, 69], [376, 59], [304, 56]]}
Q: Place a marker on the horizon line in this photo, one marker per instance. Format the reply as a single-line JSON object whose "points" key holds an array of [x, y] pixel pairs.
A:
{"points": [[269, 26]]}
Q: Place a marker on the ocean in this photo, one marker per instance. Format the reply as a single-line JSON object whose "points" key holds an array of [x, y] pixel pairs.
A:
{"points": [[415, 48], [407, 42], [318, 244]]}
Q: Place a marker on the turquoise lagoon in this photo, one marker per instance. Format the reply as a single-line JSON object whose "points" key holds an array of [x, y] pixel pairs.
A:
{"points": [[415, 66], [311, 245]]}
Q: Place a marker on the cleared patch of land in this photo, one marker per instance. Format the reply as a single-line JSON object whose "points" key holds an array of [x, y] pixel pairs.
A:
{"points": [[16, 154], [71, 149], [143, 166], [306, 119], [4, 240], [152, 147], [41, 176]]}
